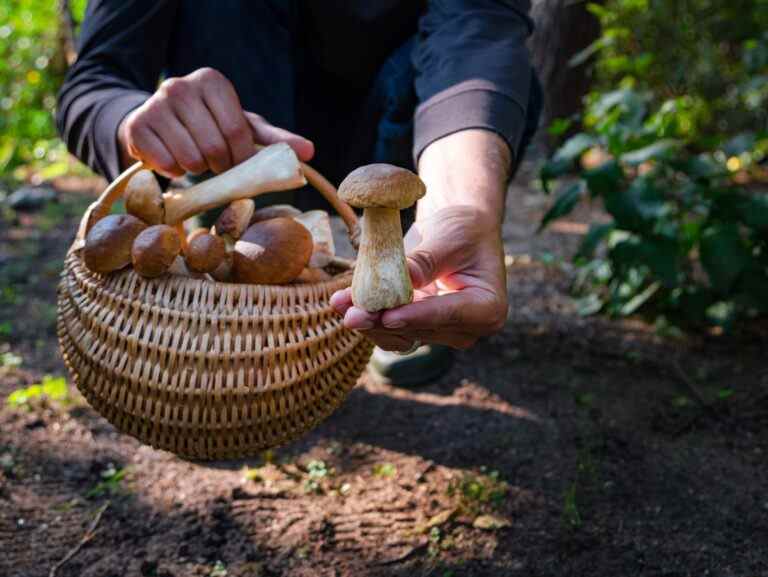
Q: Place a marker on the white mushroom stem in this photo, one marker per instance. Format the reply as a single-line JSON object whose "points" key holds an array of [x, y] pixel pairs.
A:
{"points": [[381, 279], [318, 224], [274, 168]]}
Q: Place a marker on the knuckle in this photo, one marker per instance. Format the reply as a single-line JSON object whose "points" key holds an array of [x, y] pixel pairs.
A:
{"points": [[207, 74], [235, 131], [175, 88]]}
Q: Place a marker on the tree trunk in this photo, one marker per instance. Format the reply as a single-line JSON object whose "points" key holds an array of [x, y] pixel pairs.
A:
{"points": [[563, 28]]}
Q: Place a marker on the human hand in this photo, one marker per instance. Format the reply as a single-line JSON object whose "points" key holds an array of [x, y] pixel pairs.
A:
{"points": [[456, 261], [195, 123]]}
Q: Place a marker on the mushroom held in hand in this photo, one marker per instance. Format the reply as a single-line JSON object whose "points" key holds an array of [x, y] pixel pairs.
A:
{"points": [[205, 252], [381, 279], [272, 252], [108, 243], [155, 249], [144, 198], [235, 218]]}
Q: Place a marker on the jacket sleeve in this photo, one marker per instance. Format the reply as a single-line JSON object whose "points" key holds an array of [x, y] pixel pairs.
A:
{"points": [[122, 53], [472, 69]]}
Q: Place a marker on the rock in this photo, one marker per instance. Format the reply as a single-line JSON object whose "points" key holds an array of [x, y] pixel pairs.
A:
{"points": [[31, 198]]}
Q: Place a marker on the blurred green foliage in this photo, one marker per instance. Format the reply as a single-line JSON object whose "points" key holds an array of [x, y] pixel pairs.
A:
{"points": [[674, 144], [32, 66]]}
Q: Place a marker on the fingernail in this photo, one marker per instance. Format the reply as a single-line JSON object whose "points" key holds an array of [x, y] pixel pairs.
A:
{"points": [[394, 324], [364, 325]]}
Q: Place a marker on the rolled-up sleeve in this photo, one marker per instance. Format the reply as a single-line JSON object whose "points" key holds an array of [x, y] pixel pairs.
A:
{"points": [[472, 69], [122, 52]]}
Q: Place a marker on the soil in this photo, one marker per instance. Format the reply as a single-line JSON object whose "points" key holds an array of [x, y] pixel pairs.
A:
{"points": [[563, 446]]}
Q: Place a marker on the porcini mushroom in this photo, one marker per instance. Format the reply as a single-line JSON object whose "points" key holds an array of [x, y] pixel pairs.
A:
{"points": [[155, 249], [318, 224], [275, 211], [144, 198], [205, 252], [312, 275], [381, 279], [273, 168], [108, 243], [233, 221], [272, 252]]}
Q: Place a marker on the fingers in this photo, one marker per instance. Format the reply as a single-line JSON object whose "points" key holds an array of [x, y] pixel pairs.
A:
{"points": [[265, 133], [147, 146]]}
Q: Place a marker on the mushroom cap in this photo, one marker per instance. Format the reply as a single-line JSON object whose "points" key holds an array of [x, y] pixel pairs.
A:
{"points": [[272, 252], [381, 185], [143, 197], [275, 211], [235, 218], [155, 249], [108, 243], [205, 252]]}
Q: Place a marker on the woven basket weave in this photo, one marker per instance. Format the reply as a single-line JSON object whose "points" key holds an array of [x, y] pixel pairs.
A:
{"points": [[202, 369]]}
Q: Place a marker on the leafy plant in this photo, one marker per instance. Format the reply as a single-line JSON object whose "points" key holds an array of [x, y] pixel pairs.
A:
{"points": [[477, 491], [317, 471], [110, 484], [688, 234], [51, 388], [385, 470]]}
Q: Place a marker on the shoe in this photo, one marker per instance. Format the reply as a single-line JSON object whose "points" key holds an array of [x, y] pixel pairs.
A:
{"points": [[421, 367]]}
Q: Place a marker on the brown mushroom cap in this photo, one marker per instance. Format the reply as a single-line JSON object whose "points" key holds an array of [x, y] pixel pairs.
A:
{"points": [[235, 218], [205, 252], [381, 185], [143, 198], [155, 249], [272, 252], [108, 243], [275, 211]]}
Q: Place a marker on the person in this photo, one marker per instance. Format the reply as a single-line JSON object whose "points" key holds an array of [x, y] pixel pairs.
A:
{"points": [[444, 87]]}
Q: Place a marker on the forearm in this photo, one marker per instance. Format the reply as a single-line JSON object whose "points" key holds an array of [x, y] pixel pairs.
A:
{"points": [[470, 168]]}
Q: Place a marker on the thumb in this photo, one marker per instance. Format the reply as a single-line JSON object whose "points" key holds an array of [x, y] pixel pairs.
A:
{"points": [[430, 260], [266, 133]]}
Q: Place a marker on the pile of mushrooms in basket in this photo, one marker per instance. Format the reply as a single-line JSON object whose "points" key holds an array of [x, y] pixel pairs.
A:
{"points": [[273, 245]]}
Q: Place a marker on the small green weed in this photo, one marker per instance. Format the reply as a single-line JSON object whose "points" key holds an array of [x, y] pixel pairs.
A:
{"points": [[478, 491], [571, 515], [384, 470], [50, 389], [317, 471], [219, 570], [10, 360], [111, 483]]}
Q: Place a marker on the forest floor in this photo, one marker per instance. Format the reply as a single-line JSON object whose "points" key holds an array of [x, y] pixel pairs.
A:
{"points": [[565, 445]]}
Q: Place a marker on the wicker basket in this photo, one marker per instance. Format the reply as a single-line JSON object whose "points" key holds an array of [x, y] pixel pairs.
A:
{"points": [[202, 369]]}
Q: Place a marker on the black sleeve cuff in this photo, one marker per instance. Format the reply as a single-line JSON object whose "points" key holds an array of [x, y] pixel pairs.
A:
{"points": [[470, 104], [106, 122]]}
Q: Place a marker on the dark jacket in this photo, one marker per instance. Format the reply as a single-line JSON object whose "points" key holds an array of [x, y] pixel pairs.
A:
{"points": [[317, 68]]}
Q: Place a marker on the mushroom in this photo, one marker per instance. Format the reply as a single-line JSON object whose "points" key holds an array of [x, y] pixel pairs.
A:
{"points": [[155, 249], [233, 221], [179, 268], [195, 233], [272, 252], [108, 243], [144, 198], [318, 224], [381, 279], [275, 211], [312, 275], [274, 168], [205, 252]]}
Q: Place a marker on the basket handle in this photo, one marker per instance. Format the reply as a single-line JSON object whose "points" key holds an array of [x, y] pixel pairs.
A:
{"points": [[102, 205]]}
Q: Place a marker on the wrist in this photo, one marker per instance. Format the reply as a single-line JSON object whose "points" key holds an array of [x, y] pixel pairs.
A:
{"points": [[468, 168]]}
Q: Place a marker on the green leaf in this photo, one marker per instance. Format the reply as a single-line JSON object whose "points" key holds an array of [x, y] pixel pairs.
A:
{"points": [[658, 150], [604, 179], [723, 255], [553, 169], [574, 147], [638, 207], [659, 254], [639, 299], [740, 144], [596, 233], [559, 126], [753, 288], [755, 212], [565, 203]]}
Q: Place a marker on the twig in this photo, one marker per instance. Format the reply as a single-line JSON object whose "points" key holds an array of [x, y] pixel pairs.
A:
{"points": [[691, 385], [89, 534]]}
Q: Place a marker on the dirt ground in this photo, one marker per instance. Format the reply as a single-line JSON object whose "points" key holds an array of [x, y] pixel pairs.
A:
{"points": [[562, 446]]}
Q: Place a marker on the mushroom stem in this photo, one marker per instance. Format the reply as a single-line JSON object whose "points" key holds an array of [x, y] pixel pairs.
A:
{"points": [[274, 168], [381, 279]]}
